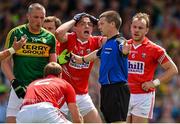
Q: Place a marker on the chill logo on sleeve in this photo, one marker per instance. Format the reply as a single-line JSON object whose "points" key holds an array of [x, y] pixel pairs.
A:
{"points": [[136, 67], [34, 49]]}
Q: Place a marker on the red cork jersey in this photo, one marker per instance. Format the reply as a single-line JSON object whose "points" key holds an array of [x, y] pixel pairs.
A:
{"points": [[142, 63], [51, 89], [78, 74]]}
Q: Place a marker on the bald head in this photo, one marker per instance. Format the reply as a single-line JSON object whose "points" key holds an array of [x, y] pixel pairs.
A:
{"points": [[52, 68], [36, 6]]}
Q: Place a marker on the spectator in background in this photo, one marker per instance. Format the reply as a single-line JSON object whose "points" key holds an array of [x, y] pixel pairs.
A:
{"points": [[3, 102], [143, 60], [30, 60]]}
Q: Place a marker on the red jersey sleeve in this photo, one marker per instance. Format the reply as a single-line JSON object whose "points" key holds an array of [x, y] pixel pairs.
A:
{"points": [[70, 95], [161, 55], [71, 42]]}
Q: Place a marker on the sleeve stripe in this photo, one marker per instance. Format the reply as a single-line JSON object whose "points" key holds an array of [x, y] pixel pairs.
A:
{"points": [[8, 39], [161, 58]]}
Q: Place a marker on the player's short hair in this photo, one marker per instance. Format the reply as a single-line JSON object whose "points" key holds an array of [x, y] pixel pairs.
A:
{"points": [[36, 6], [53, 19], [52, 68], [140, 16], [112, 16]]}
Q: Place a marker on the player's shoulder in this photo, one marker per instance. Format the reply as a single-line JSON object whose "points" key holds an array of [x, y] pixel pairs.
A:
{"points": [[17, 28], [58, 80], [95, 38], [47, 32], [155, 45]]}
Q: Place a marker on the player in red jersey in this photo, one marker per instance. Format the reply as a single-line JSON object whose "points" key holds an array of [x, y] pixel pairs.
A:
{"points": [[45, 96], [80, 42], [143, 60]]}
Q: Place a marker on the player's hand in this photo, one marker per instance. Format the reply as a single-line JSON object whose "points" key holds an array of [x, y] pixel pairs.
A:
{"points": [[18, 44], [93, 19], [76, 58], [64, 57], [147, 85], [126, 48], [18, 87], [78, 16]]}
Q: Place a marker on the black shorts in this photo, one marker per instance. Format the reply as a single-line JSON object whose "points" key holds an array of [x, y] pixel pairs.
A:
{"points": [[115, 102]]}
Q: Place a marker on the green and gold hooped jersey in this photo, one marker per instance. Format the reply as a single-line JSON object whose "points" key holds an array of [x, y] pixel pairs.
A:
{"points": [[31, 59]]}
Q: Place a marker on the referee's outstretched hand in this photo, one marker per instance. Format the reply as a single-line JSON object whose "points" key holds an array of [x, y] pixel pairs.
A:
{"points": [[126, 48]]}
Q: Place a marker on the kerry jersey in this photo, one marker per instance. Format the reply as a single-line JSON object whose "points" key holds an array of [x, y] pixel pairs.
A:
{"points": [[142, 62], [31, 59], [78, 74], [50, 89]]}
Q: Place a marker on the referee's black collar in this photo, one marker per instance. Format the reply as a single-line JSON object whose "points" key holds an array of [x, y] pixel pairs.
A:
{"points": [[114, 37]]}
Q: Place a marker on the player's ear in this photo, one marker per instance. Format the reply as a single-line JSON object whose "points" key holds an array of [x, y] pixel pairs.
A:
{"points": [[60, 75], [74, 28], [147, 29], [27, 15]]}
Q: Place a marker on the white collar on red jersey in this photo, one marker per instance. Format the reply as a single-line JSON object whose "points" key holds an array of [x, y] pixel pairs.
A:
{"points": [[136, 46], [82, 42], [145, 41]]}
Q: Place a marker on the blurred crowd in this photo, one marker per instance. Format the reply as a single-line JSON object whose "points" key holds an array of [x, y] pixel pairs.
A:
{"points": [[164, 30]]}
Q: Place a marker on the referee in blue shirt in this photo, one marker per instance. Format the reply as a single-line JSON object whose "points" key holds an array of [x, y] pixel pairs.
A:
{"points": [[113, 72]]}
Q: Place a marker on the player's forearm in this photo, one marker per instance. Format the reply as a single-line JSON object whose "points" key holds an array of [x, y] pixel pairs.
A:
{"points": [[7, 68], [4, 54], [7, 52], [91, 57], [76, 116], [170, 71], [84, 59], [63, 29]]}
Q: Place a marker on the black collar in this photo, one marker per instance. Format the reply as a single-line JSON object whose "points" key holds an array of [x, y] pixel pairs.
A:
{"points": [[115, 36]]}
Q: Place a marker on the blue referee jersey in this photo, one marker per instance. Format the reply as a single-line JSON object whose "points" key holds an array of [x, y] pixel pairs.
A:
{"points": [[113, 64]]}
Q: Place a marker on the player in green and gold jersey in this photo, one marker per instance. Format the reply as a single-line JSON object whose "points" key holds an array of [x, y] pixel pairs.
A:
{"points": [[30, 60]]}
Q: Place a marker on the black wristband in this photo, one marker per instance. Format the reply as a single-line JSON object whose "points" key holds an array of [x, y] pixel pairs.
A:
{"points": [[83, 60]]}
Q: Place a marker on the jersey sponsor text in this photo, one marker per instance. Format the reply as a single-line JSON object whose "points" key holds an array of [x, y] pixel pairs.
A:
{"points": [[34, 49], [136, 67]]}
